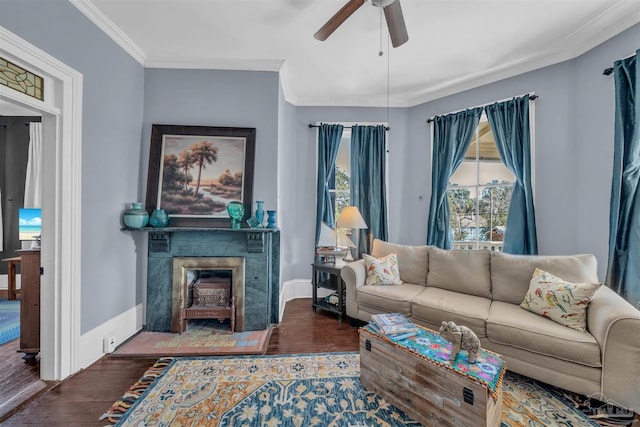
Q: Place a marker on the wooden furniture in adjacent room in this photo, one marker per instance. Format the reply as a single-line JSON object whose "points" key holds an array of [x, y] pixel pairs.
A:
{"points": [[327, 276], [30, 304], [12, 262]]}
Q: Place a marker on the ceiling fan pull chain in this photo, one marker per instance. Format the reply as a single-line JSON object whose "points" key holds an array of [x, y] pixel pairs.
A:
{"points": [[380, 52]]}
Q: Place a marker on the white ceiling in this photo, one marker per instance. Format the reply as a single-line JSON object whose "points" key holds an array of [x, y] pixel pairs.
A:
{"points": [[453, 45]]}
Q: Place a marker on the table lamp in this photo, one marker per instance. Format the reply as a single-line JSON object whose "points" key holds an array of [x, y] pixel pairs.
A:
{"points": [[350, 219]]}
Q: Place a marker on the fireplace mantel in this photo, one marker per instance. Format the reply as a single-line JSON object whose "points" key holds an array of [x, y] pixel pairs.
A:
{"points": [[259, 247]]}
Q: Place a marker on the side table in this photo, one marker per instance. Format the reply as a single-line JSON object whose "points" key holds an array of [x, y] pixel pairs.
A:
{"points": [[12, 292], [332, 280]]}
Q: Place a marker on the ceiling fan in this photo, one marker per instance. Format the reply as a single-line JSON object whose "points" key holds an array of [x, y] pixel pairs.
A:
{"points": [[392, 13]]}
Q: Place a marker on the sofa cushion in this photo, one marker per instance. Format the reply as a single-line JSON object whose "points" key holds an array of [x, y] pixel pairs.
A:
{"points": [[511, 325], [511, 274], [412, 260], [433, 305], [388, 299], [561, 301], [382, 271], [460, 271]]}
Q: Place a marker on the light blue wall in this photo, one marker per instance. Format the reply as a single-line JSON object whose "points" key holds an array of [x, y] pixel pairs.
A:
{"points": [[218, 98], [573, 146], [593, 132], [112, 116], [287, 179], [554, 175], [573, 151], [304, 169]]}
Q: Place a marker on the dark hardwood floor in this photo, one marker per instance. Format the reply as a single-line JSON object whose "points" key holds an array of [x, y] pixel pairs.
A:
{"points": [[82, 398]]}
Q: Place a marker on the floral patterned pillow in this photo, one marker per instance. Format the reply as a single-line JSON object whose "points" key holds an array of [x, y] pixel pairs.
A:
{"points": [[382, 271], [561, 301]]}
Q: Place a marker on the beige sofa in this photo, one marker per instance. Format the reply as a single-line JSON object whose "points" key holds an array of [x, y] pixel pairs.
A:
{"points": [[483, 290]]}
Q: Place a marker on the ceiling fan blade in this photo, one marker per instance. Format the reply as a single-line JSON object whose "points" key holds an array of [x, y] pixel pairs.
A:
{"points": [[395, 23], [337, 19]]}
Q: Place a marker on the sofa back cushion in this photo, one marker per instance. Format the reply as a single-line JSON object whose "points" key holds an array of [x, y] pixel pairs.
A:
{"points": [[460, 271], [413, 261], [511, 274]]}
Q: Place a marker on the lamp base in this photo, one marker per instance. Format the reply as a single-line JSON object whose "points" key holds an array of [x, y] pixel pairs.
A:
{"points": [[348, 256]]}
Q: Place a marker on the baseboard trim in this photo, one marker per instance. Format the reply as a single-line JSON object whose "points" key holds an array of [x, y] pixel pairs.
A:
{"points": [[122, 327], [297, 288]]}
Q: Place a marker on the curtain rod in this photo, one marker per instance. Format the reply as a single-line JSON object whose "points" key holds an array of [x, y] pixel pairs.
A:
{"points": [[346, 127], [608, 71], [532, 97]]}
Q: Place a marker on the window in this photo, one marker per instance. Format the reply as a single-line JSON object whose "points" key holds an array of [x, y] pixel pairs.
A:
{"points": [[479, 193], [340, 181]]}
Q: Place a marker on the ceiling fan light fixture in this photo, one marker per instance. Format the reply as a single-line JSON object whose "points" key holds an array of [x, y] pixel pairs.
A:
{"points": [[381, 3], [392, 12]]}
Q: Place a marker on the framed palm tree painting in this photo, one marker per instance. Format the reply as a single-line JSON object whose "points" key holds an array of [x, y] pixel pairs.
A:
{"points": [[194, 171]]}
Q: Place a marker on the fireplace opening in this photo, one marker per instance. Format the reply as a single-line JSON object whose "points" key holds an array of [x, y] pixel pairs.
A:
{"points": [[209, 296], [206, 290]]}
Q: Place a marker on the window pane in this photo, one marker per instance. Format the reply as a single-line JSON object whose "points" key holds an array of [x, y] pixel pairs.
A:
{"points": [[343, 174], [494, 173], [465, 174], [479, 194], [342, 161], [494, 206], [462, 210], [342, 200]]}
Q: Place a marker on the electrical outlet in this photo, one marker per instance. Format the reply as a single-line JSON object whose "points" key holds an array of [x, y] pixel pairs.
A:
{"points": [[109, 344]]}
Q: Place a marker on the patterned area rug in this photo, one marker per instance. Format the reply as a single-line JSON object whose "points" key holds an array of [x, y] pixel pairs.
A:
{"points": [[9, 320], [203, 338], [298, 390]]}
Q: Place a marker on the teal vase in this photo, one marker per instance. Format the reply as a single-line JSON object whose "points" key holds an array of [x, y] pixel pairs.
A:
{"points": [[260, 212], [136, 217], [271, 219], [159, 218], [236, 212]]}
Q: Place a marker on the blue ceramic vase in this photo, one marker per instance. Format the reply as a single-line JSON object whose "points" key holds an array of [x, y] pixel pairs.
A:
{"points": [[260, 211], [159, 218], [271, 219], [136, 217]]}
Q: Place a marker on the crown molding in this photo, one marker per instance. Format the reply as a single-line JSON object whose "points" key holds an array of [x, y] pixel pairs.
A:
{"points": [[94, 14], [611, 22], [217, 64]]}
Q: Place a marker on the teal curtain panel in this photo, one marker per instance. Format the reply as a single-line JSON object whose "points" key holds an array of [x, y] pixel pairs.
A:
{"points": [[452, 135], [328, 144], [509, 122], [368, 189], [623, 272]]}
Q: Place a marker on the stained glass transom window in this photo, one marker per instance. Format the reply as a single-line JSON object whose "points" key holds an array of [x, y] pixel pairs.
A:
{"points": [[17, 78]]}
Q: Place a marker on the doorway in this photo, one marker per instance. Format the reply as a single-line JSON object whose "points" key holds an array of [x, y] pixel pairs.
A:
{"points": [[61, 201]]}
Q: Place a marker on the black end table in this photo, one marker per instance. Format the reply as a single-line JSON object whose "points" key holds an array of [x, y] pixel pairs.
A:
{"points": [[327, 276]]}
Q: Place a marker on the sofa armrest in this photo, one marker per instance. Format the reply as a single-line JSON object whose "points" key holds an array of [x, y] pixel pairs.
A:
{"points": [[354, 275], [615, 324]]}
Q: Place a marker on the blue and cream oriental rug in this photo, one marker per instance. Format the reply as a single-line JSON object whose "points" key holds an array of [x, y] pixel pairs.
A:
{"points": [[298, 390], [9, 320]]}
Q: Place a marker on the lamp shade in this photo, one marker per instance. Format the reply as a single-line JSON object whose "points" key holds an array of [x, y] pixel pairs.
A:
{"points": [[350, 217]]}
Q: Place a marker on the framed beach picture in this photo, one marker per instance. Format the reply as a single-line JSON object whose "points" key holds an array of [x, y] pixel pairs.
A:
{"points": [[194, 171]]}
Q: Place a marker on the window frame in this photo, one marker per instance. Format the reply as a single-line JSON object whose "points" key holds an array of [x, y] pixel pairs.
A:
{"points": [[347, 129], [532, 146]]}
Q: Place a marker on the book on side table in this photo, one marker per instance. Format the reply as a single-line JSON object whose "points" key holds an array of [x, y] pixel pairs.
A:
{"points": [[396, 326]]}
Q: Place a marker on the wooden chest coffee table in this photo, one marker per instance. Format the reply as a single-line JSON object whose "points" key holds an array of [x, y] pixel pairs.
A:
{"points": [[414, 375]]}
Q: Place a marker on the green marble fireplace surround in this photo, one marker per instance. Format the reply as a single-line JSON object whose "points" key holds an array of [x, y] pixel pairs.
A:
{"points": [[260, 249]]}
